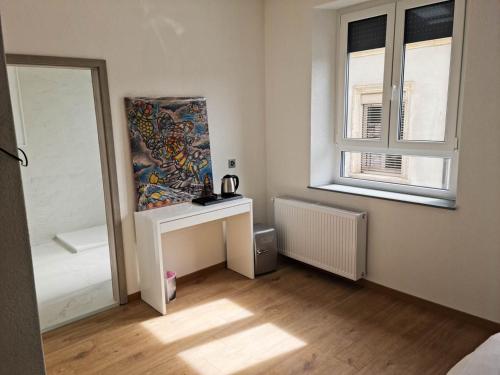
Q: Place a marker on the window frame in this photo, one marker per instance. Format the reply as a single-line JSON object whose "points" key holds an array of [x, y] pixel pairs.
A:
{"points": [[342, 59], [389, 142], [395, 187], [450, 142]]}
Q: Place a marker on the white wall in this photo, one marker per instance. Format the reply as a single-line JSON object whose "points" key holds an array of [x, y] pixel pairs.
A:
{"points": [[163, 47], [63, 184], [321, 145], [449, 257]]}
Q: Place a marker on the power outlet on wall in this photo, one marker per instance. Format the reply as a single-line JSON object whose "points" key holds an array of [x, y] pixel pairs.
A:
{"points": [[231, 163]]}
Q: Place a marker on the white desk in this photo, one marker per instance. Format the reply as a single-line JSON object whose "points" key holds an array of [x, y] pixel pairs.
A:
{"points": [[151, 224]]}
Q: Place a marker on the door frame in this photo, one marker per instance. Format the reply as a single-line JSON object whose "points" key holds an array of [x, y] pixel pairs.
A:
{"points": [[107, 154]]}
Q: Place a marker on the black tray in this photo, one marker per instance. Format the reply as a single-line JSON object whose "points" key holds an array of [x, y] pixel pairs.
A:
{"points": [[216, 198]]}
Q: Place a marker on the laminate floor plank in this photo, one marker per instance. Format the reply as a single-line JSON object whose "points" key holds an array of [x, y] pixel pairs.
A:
{"points": [[293, 321]]}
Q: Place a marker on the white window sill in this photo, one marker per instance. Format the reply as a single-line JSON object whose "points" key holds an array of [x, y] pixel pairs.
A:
{"points": [[381, 194]]}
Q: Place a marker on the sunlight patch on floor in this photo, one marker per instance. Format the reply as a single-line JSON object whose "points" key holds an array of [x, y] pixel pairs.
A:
{"points": [[195, 320], [242, 350]]}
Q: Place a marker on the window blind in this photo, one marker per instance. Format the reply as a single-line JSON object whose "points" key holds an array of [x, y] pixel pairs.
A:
{"points": [[429, 22], [402, 120], [366, 34], [384, 164], [372, 121]]}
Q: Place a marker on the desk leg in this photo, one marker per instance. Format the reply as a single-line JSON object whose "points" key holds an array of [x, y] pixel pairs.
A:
{"points": [[150, 257], [239, 242]]}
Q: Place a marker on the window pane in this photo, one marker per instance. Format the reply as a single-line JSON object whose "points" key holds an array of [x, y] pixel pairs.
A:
{"points": [[365, 75], [426, 70], [421, 171]]}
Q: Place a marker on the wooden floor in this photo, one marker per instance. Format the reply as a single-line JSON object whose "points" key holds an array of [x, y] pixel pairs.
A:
{"points": [[294, 321]]}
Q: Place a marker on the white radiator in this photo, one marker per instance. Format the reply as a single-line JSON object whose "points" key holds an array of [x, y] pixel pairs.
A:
{"points": [[322, 236]]}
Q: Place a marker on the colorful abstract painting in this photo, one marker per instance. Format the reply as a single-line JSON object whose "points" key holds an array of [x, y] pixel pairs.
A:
{"points": [[170, 150]]}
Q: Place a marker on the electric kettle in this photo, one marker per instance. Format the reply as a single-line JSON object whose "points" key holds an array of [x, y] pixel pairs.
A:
{"points": [[229, 185]]}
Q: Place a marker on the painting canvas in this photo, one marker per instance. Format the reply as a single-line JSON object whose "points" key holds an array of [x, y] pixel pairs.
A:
{"points": [[170, 150]]}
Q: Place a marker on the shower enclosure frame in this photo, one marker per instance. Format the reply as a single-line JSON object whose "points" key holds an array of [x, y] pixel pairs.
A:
{"points": [[107, 154]]}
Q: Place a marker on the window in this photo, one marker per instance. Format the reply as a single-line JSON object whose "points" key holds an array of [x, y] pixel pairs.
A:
{"points": [[381, 164], [367, 122], [397, 89], [371, 120]]}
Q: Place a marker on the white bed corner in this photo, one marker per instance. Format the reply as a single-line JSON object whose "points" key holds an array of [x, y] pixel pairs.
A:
{"points": [[84, 239], [485, 360]]}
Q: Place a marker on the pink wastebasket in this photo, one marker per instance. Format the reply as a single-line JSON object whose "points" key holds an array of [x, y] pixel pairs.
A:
{"points": [[170, 285]]}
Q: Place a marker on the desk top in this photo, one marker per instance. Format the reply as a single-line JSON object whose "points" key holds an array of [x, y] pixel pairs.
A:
{"points": [[182, 210]]}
